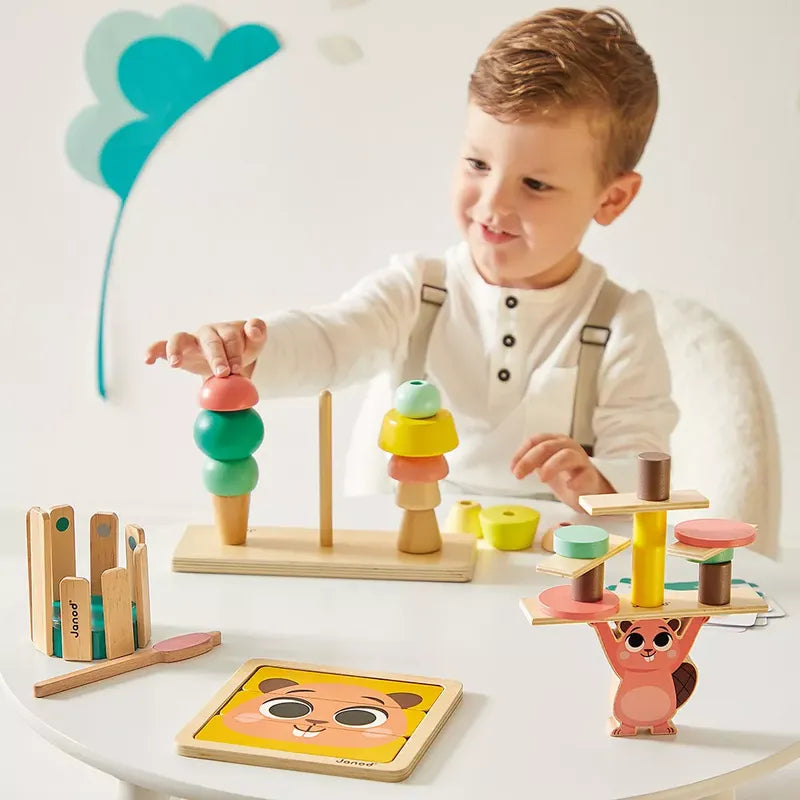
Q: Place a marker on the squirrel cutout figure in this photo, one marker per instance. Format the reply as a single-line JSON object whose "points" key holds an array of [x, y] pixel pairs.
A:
{"points": [[650, 658]]}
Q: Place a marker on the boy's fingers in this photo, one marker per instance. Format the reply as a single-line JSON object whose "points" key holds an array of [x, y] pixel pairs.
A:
{"points": [[177, 347], [213, 350], [256, 330], [231, 334], [536, 456], [155, 351], [528, 445], [562, 461]]}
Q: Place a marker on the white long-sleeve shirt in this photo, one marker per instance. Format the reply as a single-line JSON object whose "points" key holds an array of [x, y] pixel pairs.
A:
{"points": [[504, 360]]}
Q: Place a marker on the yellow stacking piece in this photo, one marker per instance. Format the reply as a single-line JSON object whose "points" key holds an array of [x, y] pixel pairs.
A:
{"points": [[648, 554], [418, 438]]}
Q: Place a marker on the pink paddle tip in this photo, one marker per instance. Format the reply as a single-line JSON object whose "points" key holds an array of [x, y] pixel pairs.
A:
{"points": [[181, 642], [234, 393]]}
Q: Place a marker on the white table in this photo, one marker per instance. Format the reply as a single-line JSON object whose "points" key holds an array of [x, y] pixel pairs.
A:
{"points": [[533, 697]]}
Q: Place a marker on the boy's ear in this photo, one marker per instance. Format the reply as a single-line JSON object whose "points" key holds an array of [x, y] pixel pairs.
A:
{"points": [[617, 197]]}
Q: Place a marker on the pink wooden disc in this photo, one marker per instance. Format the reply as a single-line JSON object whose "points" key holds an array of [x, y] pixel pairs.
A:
{"points": [[557, 602], [715, 533], [424, 469], [234, 393], [181, 642]]}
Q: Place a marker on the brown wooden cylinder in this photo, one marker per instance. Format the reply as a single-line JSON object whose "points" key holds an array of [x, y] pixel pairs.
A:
{"points": [[588, 588], [653, 471], [715, 584]]}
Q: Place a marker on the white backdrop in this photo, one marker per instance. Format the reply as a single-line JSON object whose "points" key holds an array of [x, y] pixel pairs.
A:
{"points": [[301, 176]]}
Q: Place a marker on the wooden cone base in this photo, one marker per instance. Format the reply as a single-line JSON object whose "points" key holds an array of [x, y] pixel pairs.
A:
{"points": [[419, 532], [231, 515]]}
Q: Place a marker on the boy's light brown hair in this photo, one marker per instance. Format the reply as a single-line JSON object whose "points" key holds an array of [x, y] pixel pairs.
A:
{"points": [[568, 59]]}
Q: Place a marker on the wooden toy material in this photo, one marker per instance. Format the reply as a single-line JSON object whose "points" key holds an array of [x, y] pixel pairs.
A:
{"points": [[312, 718], [464, 517], [177, 648], [657, 626], [580, 541], [509, 527], [79, 619], [418, 551], [547, 537]]}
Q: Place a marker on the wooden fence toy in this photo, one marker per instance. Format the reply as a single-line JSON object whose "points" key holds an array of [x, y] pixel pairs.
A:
{"points": [[82, 619], [648, 649]]}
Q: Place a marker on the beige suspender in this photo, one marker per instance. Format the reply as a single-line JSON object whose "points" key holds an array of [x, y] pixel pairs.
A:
{"points": [[432, 298], [593, 338]]}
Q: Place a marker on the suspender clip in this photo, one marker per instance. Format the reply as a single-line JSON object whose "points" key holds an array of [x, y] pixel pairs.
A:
{"points": [[595, 334]]}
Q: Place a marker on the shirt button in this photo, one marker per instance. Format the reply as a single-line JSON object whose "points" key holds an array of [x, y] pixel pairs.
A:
{"points": [[504, 374], [509, 340], [511, 302]]}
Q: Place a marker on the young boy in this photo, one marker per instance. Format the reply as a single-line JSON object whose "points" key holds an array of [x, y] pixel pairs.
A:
{"points": [[555, 376]]}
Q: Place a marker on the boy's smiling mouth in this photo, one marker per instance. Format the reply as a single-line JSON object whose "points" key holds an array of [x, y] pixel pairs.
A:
{"points": [[493, 236]]}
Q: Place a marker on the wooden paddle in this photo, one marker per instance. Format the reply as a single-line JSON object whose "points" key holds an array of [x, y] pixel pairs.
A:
{"points": [[178, 648]]}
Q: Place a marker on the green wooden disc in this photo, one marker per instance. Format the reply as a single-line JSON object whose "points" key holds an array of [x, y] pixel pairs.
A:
{"points": [[580, 541], [228, 435], [720, 558], [230, 478]]}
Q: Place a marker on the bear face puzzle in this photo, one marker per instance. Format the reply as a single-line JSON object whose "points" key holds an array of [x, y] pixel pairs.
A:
{"points": [[319, 719]]}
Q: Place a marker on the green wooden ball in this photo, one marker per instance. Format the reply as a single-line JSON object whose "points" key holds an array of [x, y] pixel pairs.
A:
{"points": [[228, 435], [230, 478], [417, 399]]}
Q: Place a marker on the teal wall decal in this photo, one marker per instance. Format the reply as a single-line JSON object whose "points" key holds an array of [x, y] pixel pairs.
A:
{"points": [[146, 73]]}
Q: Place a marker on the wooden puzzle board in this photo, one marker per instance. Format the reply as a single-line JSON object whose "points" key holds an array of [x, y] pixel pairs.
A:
{"points": [[296, 552], [677, 603], [319, 719]]}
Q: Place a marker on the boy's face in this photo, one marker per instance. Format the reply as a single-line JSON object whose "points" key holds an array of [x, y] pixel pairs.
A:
{"points": [[524, 195]]}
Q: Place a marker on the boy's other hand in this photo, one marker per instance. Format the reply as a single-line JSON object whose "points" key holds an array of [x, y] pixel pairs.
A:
{"points": [[221, 348], [562, 464]]}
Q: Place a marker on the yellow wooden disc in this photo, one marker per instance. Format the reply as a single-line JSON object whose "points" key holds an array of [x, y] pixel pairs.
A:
{"points": [[420, 438]]}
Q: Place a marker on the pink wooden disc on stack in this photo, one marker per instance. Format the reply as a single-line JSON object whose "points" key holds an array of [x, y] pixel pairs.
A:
{"points": [[234, 393], [557, 602], [715, 533]]}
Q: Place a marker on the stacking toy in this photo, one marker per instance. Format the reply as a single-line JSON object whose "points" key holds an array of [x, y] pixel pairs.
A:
{"points": [[228, 430]]}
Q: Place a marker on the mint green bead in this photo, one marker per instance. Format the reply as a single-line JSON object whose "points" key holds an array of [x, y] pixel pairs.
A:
{"points": [[230, 478], [228, 435], [417, 399]]}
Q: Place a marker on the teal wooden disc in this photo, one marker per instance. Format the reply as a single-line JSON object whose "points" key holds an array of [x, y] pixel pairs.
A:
{"points": [[230, 478], [228, 435], [580, 541], [417, 399], [98, 628]]}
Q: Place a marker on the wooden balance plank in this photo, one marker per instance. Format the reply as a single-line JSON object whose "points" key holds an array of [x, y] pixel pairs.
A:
{"points": [[117, 612], [62, 529], [677, 603], [40, 585], [103, 535], [141, 580], [76, 619], [296, 552], [598, 505], [575, 567], [680, 550], [134, 534]]}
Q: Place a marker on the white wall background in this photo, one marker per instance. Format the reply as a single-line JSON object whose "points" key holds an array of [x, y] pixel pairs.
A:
{"points": [[301, 176]]}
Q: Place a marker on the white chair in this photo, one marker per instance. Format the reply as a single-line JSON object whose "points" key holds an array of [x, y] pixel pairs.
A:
{"points": [[725, 444]]}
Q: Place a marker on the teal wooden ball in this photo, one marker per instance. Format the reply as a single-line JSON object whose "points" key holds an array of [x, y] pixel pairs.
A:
{"points": [[230, 478], [228, 435], [417, 399]]}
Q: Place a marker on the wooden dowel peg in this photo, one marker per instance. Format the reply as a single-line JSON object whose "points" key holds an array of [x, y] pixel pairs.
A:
{"points": [[325, 471]]}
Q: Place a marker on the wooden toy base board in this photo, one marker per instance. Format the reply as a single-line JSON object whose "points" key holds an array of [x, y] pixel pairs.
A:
{"points": [[744, 600], [220, 732], [296, 552]]}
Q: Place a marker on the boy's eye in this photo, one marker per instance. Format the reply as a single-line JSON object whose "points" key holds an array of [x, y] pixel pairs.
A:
{"points": [[537, 186], [477, 164]]}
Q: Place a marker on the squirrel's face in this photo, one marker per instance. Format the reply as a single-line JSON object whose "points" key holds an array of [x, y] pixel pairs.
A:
{"points": [[649, 645]]}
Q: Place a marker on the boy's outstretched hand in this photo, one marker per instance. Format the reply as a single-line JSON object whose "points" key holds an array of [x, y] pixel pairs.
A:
{"points": [[222, 348], [562, 464]]}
